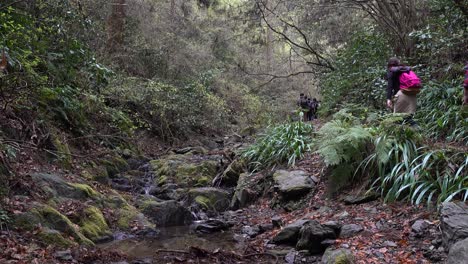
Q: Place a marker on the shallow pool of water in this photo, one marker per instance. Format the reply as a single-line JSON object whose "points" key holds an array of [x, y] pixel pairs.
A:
{"points": [[174, 238]]}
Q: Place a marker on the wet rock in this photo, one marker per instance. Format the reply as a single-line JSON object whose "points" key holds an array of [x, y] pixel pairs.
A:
{"points": [[312, 234], [148, 232], [277, 221], [167, 213], [338, 256], [266, 227], [419, 227], [231, 175], [458, 252], [251, 231], [360, 199], [350, 230], [293, 184], [211, 226], [243, 194], [290, 233], [63, 255], [454, 223], [210, 198], [336, 226]]}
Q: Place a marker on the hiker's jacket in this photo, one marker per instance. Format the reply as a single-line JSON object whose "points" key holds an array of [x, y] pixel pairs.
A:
{"points": [[393, 78], [465, 83]]}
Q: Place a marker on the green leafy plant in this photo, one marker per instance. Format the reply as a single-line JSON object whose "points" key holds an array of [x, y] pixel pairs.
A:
{"points": [[440, 113], [342, 144], [285, 143], [4, 218], [435, 175]]}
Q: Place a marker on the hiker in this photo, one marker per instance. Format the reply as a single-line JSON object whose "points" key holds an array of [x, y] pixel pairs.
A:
{"points": [[314, 106], [403, 85], [309, 109], [302, 103], [465, 86]]}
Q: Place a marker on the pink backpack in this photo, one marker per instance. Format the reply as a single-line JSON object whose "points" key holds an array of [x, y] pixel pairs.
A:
{"points": [[410, 83]]}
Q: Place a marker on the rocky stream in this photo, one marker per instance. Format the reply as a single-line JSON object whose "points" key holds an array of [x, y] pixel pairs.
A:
{"points": [[198, 205]]}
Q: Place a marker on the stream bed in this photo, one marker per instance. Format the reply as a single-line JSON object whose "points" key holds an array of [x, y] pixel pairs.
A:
{"points": [[174, 238]]}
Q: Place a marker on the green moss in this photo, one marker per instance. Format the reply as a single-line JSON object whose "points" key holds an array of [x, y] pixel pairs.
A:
{"points": [[86, 189], [162, 180], [127, 215], [114, 165], [54, 237], [203, 181], [53, 219], [93, 225], [204, 202], [63, 152]]}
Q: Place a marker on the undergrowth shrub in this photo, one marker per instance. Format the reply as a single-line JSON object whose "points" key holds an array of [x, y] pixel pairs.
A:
{"points": [[342, 143], [440, 112], [285, 143], [169, 111]]}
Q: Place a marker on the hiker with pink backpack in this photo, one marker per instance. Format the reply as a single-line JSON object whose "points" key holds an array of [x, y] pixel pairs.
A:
{"points": [[403, 86]]}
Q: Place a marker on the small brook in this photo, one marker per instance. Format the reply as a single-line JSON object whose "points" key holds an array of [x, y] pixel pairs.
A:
{"points": [[174, 238]]}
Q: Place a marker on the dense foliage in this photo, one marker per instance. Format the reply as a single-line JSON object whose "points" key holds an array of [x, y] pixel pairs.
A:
{"points": [[285, 143]]}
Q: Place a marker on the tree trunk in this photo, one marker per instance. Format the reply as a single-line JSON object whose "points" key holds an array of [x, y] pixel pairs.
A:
{"points": [[116, 26]]}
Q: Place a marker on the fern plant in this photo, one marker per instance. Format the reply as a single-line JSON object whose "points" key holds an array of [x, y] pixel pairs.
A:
{"points": [[342, 145], [286, 143]]}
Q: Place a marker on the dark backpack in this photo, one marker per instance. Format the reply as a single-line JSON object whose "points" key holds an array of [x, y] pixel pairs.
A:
{"points": [[304, 103]]}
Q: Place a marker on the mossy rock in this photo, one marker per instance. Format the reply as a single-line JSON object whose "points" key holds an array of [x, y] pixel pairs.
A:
{"points": [[128, 215], [231, 174], [47, 216], [166, 213], [114, 165], [210, 198], [54, 237], [93, 225], [85, 189], [56, 187], [196, 174], [338, 256], [183, 170], [96, 173]]}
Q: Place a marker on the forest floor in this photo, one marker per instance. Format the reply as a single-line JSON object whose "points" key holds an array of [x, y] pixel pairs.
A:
{"points": [[388, 231]]}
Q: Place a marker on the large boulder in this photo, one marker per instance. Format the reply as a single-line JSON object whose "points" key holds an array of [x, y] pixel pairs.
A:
{"points": [[454, 223], [350, 230], [166, 213], [185, 170], [210, 198], [93, 225], [293, 184], [458, 252], [56, 187], [338, 256], [311, 236], [290, 233], [244, 193], [46, 216], [231, 174]]}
